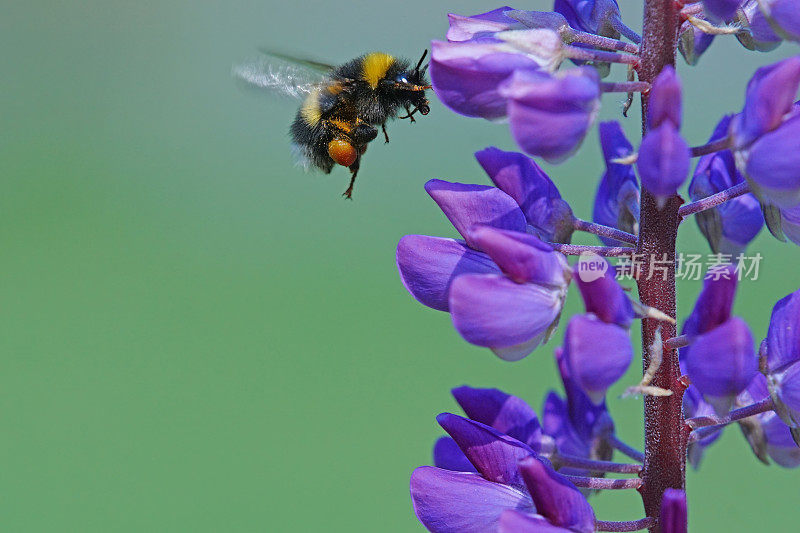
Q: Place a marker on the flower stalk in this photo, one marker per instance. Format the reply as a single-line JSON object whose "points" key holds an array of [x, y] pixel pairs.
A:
{"points": [[604, 231], [714, 200], [601, 483], [633, 525], [665, 443]]}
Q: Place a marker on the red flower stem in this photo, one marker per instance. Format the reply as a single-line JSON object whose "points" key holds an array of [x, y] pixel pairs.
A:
{"points": [[710, 148], [604, 231], [737, 414], [598, 41], [595, 466], [606, 251], [664, 434], [601, 483], [714, 200], [624, 448], [633, 525]]}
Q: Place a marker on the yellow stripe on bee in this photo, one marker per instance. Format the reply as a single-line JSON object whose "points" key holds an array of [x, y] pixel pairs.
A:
{"points": [[344, 126], [375, 66], [310, 108]]}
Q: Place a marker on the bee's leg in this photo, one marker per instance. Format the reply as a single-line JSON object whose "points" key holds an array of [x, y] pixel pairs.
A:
{"points": [[385, 135], [410, 114], [353, 173]]}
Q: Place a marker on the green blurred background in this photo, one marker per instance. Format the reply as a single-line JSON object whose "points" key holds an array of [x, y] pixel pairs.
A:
{"points": [[197, 336]]}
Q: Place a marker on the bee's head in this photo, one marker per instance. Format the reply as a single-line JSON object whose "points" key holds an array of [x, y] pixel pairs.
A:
{"points": [[412, 84]]}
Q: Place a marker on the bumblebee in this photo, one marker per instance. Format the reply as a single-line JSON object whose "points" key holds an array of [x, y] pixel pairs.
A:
{"points": [[342, 106]]}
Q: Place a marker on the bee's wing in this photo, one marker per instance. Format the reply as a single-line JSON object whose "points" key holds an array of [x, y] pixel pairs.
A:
{"points": [[283, 74]]}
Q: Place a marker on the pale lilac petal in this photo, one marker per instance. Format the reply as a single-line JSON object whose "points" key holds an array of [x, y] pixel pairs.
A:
{"points": [[447, 455], [467, 205], [504, 412], [461, 502], [495, 312], [428, 266], [493, 454], [478, 27]]}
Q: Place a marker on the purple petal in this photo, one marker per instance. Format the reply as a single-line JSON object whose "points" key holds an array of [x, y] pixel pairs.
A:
{"points": [[584, 414], [616, 203], [466, 76], [555, 498], [665, 99], [466, 205], [773, 164], [722, 362], [693, 42], [478, 27], [556, 424], [674, 517], [783, 337], [493, 311], [493, 454], [550, 115], [695, 405], [790, 223], [428, 266], [504, 412], [523, 257], [780, 444], [784, 16], [461, 502], [512, 521], [769, 96], [714, 303], [663, 160], [788, 389], [760, 36], [597, 354], [522, 179], [447, 455], [590, 16], [604, 297]]}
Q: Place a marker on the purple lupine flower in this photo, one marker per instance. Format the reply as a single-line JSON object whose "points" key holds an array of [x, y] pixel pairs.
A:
{"points": [[558, 503], [783, 358], [616, 203], [784, 16], [508, 476], [721, 10], [504, 288], [663, 155], [759, 35], [695, 405], [549, 115], [479, 27], [597, 354], [730, 227], [576, 425], [466, 76], [765, 134], [693, 42], [722, 362], [548, 216], [790, 223], [515, 312], [605, 299], [674, 516]]}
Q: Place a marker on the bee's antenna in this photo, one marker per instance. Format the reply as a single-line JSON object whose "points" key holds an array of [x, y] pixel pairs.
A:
{"points": [[424, 69], [421, 59]]}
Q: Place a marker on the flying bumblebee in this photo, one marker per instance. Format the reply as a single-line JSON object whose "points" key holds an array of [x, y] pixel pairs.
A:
{"points": [[341, 106]]}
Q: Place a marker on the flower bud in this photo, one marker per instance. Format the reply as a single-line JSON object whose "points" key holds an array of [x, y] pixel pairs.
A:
{"points": [[663, 161], [722, 362], [597, 354]]}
